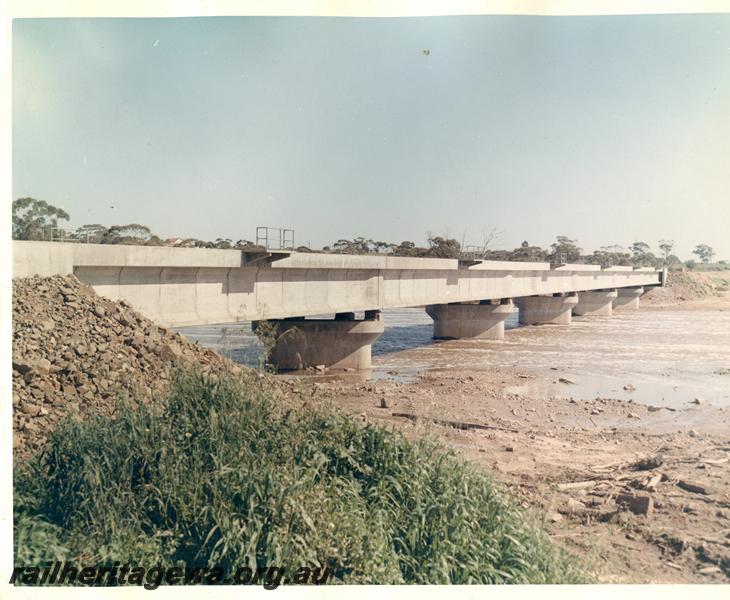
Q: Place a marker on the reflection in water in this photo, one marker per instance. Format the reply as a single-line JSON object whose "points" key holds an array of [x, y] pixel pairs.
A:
{"points": [[670, 357], [236, 341]]}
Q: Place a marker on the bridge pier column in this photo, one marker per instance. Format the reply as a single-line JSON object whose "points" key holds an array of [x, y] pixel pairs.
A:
{"points": [[628, 298], [341, 343], [598, 303], [542, 310], [458, 321]]}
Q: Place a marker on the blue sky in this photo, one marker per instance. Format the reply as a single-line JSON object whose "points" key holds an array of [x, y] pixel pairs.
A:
{"points": [[605, 129]]}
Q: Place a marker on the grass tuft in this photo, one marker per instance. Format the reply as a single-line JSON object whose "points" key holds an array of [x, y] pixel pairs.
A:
{"points": [[227, 474]]}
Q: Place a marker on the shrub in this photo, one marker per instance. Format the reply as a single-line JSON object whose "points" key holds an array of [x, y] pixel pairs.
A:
{"points": [[227, 473]]}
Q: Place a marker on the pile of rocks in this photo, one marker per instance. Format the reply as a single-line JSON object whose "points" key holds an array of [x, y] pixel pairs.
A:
{"points": [[683, 286], [74, 351]]}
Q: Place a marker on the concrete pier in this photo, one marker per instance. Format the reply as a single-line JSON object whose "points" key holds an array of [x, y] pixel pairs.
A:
{"points": [[628, 298], [598, 303], [543, 310], [484, 320], [342, 343]]}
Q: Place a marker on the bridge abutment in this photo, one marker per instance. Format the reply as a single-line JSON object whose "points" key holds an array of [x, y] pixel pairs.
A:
{"points": [[596, 303], [543, 310], [459, 321], [339, 343], [628, 298]]}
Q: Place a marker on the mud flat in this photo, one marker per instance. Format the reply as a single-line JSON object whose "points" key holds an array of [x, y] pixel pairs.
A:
{"points": [[639, 484]]}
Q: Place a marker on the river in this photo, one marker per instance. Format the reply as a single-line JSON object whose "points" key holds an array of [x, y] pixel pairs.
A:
{"points": [[658, 357]]}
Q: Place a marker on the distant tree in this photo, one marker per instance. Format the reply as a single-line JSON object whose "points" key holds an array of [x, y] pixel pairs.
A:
{"points": [[704, 252], [439, 247], [131, 234], [690, 264], [355, 246], [223, 244], [564, 250], [32, 217], [407, 249], [639, 248], [609, 256], [92, 233], [527, 253], [359, 245], [383, 247], [666, 246], [192, 243], [489, 237], [641, 256], [497, 255], [672, 261]]}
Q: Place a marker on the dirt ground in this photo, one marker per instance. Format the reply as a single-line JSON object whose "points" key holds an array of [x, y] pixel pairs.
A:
{"points": [[640, 493]]}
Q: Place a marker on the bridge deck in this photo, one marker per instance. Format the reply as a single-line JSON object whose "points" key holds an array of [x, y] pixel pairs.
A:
{"points": [[189, 286]]}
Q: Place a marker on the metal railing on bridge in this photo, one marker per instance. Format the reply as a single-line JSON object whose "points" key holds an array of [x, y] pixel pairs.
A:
{"points": [[275, 238]]}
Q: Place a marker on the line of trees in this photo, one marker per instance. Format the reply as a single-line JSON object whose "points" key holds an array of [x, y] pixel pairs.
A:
{"points": [[438, 247], [37, 220], [34, 219], [563, 250]]}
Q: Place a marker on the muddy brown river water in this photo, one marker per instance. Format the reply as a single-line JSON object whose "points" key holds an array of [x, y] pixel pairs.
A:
{"points": [[656, 357]]}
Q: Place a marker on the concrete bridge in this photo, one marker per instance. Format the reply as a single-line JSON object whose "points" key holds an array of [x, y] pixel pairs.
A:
{"points": [[466, 299]]}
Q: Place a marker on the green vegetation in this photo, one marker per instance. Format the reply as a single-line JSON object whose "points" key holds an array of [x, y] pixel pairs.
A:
{"points": [[704, 252], [31, 218], [37, 220], [231, 473]]}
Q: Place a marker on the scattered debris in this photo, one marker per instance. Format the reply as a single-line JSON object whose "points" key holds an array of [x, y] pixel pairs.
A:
{"points": [[455, 424], [648, 463], [638, 504], [692, 487], [630, 387], [652, 482], [577, 485], [554, 517], [566, 380], [572, 507]]}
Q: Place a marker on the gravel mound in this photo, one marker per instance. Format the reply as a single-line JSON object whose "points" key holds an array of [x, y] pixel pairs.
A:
{"points": [[683, 286], [76, 352]]}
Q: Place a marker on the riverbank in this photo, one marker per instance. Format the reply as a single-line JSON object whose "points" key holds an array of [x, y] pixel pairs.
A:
{"points": [[638, 484], [641, 488], [175, 455]]}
